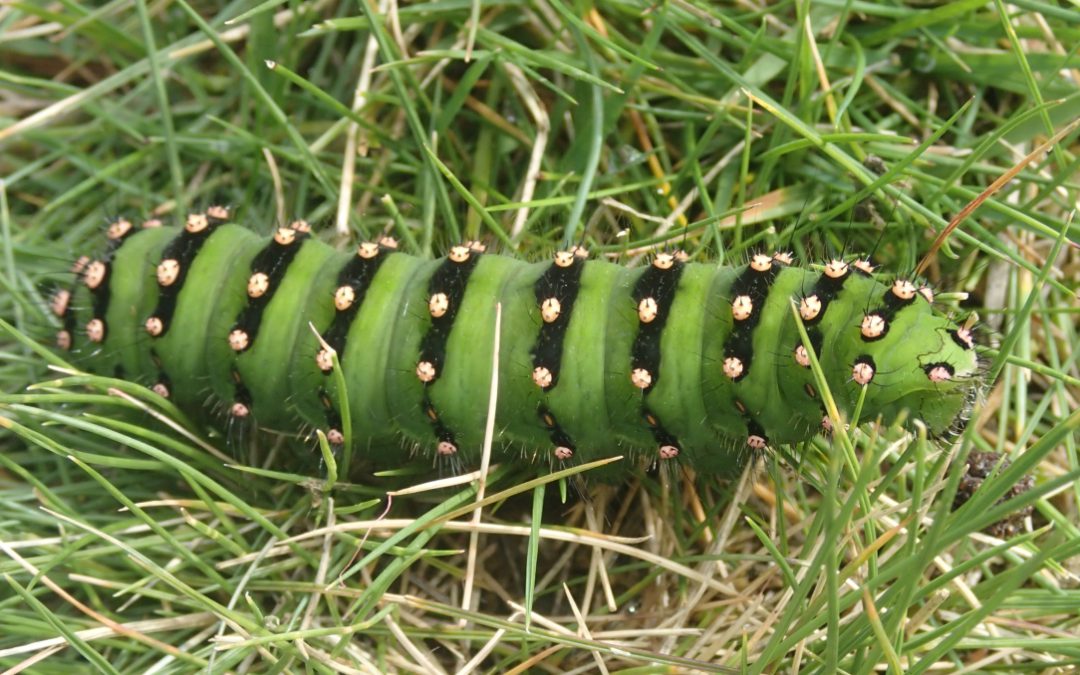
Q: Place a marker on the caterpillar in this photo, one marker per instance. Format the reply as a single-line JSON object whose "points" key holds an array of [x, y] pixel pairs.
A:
{"points": [[670, 361]]}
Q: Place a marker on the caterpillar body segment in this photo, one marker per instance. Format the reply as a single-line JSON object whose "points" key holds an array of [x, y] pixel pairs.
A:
{"points": [[697, 363]]}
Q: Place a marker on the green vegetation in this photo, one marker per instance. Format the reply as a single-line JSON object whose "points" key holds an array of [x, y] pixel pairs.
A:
{"points": [[130, 541]]}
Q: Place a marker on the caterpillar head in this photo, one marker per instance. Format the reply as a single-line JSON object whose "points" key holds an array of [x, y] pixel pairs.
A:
{"points": [[920, 361]]}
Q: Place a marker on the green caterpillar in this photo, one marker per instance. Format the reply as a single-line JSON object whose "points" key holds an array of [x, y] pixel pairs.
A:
{"points": [[670, 361]]}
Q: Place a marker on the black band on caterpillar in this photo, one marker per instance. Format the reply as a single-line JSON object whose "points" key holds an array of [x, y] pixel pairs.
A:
{"points": [[652, 296], [555, 292], [267, 270], [172, 270], [675, 360], [447, 284], [749, 292], [353, 283]]}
